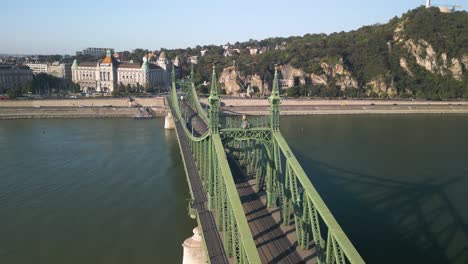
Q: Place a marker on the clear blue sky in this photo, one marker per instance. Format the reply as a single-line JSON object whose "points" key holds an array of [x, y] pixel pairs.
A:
{"points": [[64, 26]]}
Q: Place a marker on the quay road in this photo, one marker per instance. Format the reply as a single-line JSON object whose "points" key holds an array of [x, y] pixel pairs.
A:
{"points": [[351, 109]]}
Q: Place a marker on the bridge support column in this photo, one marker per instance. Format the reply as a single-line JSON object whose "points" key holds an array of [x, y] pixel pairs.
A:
{"points": [[194, 252], [271, 199], [211, 202], [169, 122]]}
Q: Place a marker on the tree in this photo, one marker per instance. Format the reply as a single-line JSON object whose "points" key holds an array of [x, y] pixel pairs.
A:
{"points": [[149, 88], [13, 93]]}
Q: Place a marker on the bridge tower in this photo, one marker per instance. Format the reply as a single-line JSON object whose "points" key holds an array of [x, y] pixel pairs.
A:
{"points": [[192, 74], [275, 101], [213, 101], [274, 166], [213, 125], [168, 119]]}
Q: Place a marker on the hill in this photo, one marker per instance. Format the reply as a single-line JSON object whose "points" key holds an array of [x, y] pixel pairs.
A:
{"points": [[423, 54]]}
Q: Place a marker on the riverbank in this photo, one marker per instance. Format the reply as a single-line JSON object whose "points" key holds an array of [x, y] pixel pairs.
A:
{"points": [[343, 107], [81, 108], [74, 112], [119, 107], [349, 109], [86, 102]]}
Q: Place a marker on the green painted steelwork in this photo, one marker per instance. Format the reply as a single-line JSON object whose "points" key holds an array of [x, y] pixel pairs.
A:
{"points": [[215, 174], [266, 157]]}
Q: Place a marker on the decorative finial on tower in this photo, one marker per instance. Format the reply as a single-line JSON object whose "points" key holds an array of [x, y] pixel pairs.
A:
{"points": [[214, 82], [192, 74], [213, 100], [275, 89], [173, 74], [275, 101]]}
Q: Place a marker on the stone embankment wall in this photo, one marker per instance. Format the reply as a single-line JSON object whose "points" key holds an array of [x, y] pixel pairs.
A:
{"points": [[314, 102], [74, 112], [106, 108], [88, 102]]}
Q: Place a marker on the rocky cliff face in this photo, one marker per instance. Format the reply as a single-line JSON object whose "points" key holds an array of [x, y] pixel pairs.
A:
{"points": [[234, 83], [288, 72], [404, 65], [332, 74], [255, 81], [379, 86], [230, 81], [373, 66], [436, 63], [464, 60], [425, 56]]}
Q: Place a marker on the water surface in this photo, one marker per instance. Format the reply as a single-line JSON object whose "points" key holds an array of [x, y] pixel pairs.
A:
{"points": [[114, 190], [91, 191], [397, 184]]}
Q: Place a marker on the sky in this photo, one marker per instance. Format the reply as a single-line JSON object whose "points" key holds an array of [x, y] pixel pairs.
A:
{"points": [[65, 26]]}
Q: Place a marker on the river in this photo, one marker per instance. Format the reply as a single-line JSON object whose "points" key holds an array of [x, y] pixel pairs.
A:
{"points": [[114, 190]]}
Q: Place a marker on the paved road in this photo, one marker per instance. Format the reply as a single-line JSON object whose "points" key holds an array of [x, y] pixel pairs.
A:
{"points": [[349, 109]]}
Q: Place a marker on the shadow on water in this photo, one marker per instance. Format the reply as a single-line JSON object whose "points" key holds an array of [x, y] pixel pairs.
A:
{"points": [[394, 221]]}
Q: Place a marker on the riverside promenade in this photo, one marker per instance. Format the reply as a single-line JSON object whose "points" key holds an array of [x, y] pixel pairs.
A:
{"points": [[120, 107], [81, 108], [341, 107]]}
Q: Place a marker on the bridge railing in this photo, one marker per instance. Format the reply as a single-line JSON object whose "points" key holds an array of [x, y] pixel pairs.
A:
{"points": [[237, 121], [231, 220], [300, 197], [218, 183], [192, 99]]}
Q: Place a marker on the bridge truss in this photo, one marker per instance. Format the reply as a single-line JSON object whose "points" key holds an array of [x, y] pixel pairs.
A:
{"points": [[259, 146]]}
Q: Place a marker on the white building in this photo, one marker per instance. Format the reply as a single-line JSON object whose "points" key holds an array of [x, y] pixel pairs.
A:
{"points": [[106, 75], [192, 60], [57, 69], [37, 67]]}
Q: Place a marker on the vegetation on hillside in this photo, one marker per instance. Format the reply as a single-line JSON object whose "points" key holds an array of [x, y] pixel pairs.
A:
{"points": [[367, 53]]}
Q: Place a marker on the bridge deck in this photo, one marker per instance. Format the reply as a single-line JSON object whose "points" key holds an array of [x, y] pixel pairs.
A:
{"points": [[275, 243], [213, 241]]}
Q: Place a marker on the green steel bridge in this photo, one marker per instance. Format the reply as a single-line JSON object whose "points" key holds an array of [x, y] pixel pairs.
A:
{"points": [[250, 196]]}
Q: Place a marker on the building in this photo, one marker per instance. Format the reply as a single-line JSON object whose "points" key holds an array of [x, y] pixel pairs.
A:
{"points": [[60, 70], [192, 60], [57, 69], [177, 67], [105, 75], [252, 51], [14, 76], [95, 52], [286, 83], [37, 67]]}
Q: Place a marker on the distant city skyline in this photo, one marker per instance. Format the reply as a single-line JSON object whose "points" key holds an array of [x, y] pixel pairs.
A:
{"points": [[64, 27]]}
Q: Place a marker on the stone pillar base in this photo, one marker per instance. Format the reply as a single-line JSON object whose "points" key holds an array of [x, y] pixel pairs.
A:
{"points": [[169, 122], [194, 252]]}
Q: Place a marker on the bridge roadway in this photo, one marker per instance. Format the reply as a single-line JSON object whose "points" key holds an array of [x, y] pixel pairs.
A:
{"points": [[275, 243], [216, 254]]}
